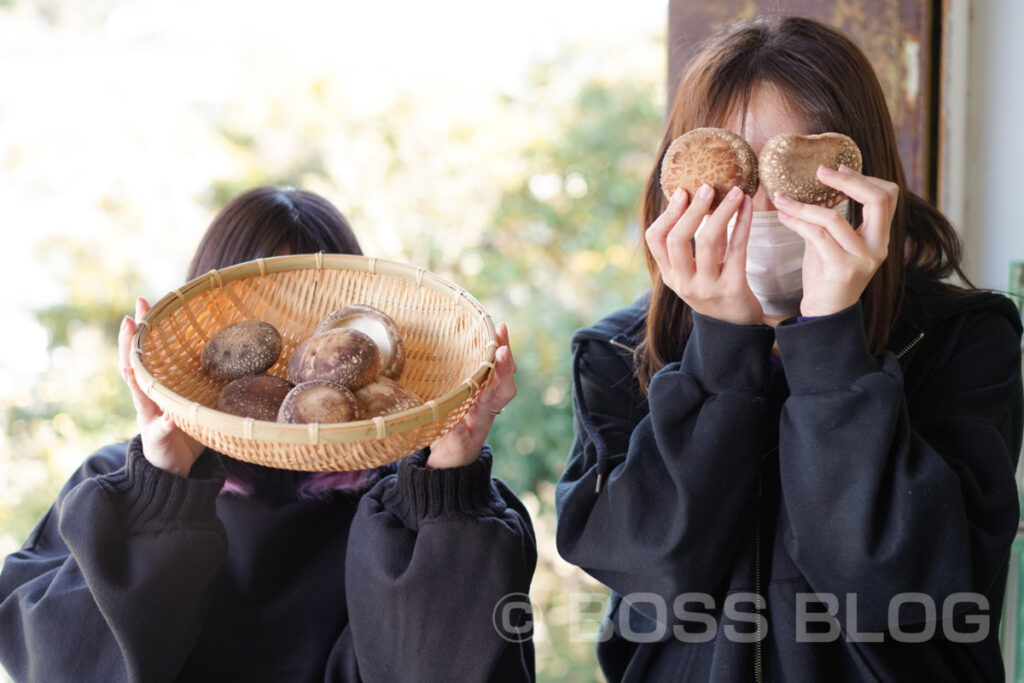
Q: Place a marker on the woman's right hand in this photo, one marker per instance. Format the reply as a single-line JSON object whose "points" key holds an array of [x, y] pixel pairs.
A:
{"points": [[710, 284], [164, 445]]}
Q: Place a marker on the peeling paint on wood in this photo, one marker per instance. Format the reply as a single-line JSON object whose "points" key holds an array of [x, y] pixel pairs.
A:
{"points": [[911, 70]]}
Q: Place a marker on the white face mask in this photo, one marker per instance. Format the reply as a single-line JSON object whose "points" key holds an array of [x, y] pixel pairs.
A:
{"points": [[775, 257]]}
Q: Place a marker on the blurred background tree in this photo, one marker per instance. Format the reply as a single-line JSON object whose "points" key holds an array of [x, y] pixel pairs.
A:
{"points": [[523, 191], [563, 251]]}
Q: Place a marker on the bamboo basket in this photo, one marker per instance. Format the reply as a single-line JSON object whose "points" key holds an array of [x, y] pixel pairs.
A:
{"points": [[449, 343]]}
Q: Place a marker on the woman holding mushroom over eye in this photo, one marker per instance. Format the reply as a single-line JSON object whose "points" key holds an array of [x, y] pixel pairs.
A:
{"points": [[164, 560], [794, 457]]}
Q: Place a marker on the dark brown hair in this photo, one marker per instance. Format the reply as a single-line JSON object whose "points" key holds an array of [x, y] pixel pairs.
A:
{"points": [[259, 223], [270, 220], [830, 83]]}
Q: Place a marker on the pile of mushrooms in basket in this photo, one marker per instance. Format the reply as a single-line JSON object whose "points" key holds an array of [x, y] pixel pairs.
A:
{"points": [[348, 369]]}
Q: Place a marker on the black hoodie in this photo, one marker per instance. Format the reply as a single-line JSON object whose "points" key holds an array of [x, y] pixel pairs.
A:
{"points": [[718, 505], [136, 574]]}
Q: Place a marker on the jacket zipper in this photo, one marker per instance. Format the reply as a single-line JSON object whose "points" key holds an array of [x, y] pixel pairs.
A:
{"points": [[759, 634], [622, 346], [912, 344]]}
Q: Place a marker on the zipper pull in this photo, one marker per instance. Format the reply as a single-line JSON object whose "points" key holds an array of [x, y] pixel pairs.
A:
{"points": [[912, 344]]}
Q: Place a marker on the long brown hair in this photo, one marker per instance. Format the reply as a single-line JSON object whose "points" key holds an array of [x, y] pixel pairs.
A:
{"points": [[266, 221], [827, 79]]}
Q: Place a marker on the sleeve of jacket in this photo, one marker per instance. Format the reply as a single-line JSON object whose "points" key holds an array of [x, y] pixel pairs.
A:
{"points": [[680, 478], [114, 582], [883, 497], [439, 565]]}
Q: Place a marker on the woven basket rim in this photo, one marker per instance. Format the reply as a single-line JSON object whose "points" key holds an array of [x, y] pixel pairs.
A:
{"points": [[312, 433]]}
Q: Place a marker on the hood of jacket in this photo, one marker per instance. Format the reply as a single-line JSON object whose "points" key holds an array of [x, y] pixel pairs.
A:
{"points": [[925, 305]]}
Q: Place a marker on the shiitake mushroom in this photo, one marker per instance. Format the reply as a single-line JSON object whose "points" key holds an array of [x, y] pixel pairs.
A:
{"points": [[712, 156], [344, 356], [384, 396], [318, 401], [246, 348], [344, 371], [376, 324], [789, 163], [255, 396]]}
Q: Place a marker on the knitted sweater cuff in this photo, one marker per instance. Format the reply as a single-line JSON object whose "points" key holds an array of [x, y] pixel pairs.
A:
{"points": [[155, 498], [825, 353], [725, 356], [429, 493]]}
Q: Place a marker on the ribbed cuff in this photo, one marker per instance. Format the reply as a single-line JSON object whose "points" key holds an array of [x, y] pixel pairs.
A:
{"points": [[825, 353], [428, 493], [725, 356], [154, 498]]}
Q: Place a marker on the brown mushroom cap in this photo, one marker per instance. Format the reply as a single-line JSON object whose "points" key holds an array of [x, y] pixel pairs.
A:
{"points": [[255, 396], [318, 401], [714, 156], [344, 356], [378, 326], [246, 348], [789, 165], [384, 396]]}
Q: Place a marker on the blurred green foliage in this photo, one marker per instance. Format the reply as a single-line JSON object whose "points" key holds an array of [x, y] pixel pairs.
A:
{"points": [[563, 251], [81, 404]]}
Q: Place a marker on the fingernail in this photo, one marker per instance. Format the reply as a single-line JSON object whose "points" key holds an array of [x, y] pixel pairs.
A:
{"points": [[124, 322], [783, 200], [734, 194], [825, 170], [677, 197], [705, 191], [843, 168]]}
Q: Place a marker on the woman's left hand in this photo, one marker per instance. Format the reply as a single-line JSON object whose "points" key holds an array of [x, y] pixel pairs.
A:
{"points": [[838, 260], [462, 445]]}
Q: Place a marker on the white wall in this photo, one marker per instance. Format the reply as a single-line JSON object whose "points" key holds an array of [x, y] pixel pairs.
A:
{"points": [[990, 212]]}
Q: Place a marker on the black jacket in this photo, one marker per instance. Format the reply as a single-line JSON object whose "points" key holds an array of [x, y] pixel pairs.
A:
{"points": [[883, 484], [136, 574]]}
